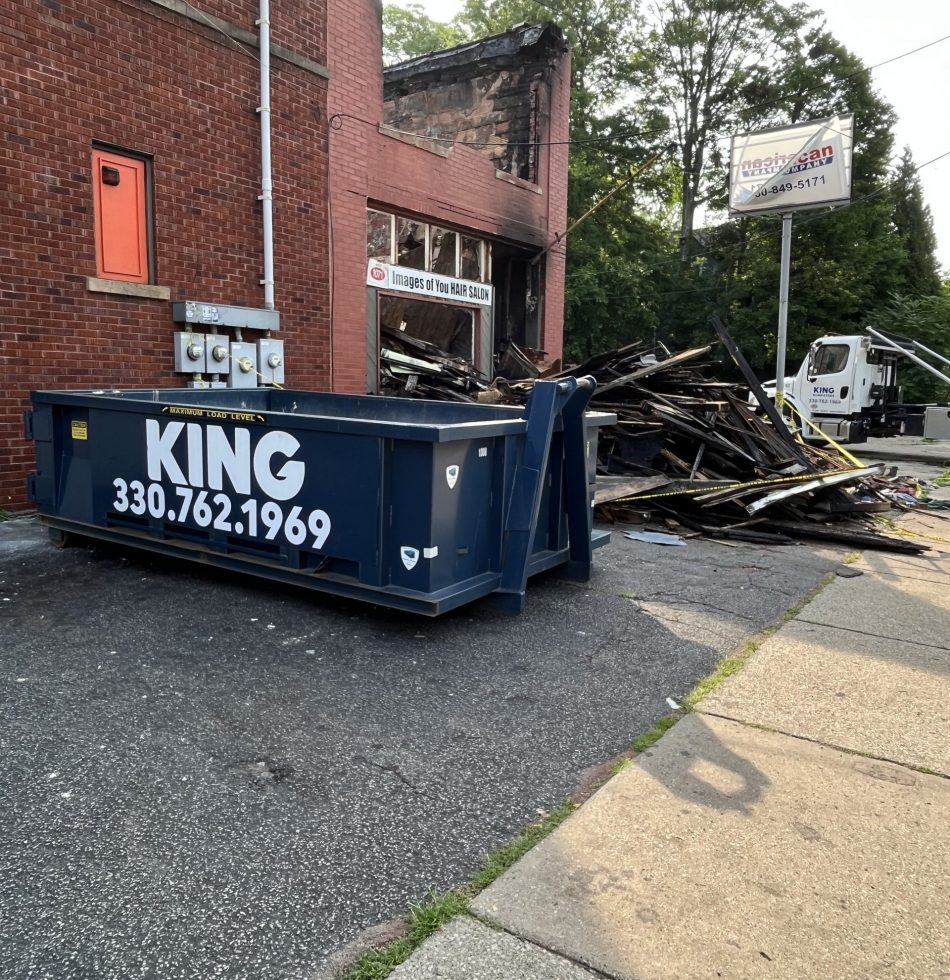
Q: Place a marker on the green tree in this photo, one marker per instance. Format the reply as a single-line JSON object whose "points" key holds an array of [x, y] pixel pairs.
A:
{"points": [[617, 258], [915, 227], [409, 32], [704, 61], [925, 319], [846, 261]]}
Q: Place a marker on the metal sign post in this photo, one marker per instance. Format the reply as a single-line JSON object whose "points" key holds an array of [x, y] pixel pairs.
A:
{"points": [[783, 308]]}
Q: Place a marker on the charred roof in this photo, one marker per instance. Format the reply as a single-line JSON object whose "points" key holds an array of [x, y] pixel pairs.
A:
{"points": [[512, 48]]}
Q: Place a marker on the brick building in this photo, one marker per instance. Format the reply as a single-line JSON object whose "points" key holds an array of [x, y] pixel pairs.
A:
{"points": [[147, 109], [418, 215], [154, 101]]}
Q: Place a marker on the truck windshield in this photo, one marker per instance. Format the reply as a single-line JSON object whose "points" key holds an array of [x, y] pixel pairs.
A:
{"points": [[829, 359]]}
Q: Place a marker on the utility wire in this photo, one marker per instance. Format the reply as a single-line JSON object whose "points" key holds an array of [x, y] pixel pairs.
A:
{"points": [[726, 250], [240, 45], [627, 134]]}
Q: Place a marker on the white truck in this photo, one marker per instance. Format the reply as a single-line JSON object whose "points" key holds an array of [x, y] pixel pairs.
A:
{"points": [[848, 387]]}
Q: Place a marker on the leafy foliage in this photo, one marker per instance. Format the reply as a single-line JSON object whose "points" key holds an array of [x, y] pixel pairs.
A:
{"points": [[915, 226], [925, 319], [697, 71], [707, 61], [409, 32]]}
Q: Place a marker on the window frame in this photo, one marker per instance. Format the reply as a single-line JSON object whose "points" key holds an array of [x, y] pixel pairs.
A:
{"points": [[484, 244]]}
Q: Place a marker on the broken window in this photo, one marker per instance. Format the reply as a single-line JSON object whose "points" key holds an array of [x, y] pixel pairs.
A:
{"points": [[473, 259], [379, 236], [432, 248], [444, 247], [450, 328], [410, 243]]}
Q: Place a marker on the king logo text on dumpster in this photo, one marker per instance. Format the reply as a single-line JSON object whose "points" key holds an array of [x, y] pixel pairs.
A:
{"points": [[234, 479]]}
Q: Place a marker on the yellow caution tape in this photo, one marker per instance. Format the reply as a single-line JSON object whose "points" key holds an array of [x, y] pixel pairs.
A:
{"points": [[902, 532], [853, 460]]}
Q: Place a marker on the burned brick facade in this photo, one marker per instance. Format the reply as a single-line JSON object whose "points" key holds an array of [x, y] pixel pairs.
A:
{"points": [[453, 165], [492, 94]]}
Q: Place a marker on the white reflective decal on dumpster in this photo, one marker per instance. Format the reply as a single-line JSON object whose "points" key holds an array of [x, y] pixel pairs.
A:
{"points": [[409, 557], [451, 475]]}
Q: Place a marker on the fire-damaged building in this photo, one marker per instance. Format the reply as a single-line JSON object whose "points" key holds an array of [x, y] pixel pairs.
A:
{"points": [[448, 182], [210, 194]]}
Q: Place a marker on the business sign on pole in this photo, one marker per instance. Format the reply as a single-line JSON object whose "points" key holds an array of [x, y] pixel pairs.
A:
{"points": [[792, 167], [402, 279]]}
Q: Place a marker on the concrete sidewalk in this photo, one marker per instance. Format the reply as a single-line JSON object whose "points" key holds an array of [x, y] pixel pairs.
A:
{"points": [[796, 825], [909, 449]]}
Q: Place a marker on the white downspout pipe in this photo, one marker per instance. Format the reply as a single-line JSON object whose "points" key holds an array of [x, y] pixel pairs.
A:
{"points": [[267, 187]]}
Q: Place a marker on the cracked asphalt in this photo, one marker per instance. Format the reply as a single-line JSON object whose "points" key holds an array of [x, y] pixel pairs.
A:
{"points": [[207, 776]]}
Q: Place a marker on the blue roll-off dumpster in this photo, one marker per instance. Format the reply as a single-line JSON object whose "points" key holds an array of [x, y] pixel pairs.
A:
{"points": [[417, 505]]}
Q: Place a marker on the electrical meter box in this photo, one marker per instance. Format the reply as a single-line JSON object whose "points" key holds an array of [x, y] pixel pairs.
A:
{"points": [[190, 352], [217, 353], [242, 368], [270, 360]]}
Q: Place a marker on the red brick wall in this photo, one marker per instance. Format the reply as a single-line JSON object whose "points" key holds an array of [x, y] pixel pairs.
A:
{"points": [[460, 189], [130, 73]]}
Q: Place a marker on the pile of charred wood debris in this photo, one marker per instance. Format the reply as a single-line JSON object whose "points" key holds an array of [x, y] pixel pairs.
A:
{"points": [[687, 452]]}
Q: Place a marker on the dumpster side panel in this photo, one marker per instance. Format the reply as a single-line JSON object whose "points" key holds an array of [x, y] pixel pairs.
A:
{"points": [[231, 481], [467, 495], [419, 508]]}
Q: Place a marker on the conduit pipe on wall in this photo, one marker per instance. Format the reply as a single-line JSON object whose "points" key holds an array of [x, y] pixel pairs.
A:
{"points": [[267, 187]]}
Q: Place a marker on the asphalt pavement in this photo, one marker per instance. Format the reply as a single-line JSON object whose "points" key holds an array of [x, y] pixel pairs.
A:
{"points": [[207, 776]]}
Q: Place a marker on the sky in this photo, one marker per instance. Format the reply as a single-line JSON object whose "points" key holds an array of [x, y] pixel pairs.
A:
{"points": [[917, 86]]}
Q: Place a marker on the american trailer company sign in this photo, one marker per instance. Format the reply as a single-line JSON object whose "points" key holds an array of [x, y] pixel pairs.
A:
{"points": [[791, 168]]}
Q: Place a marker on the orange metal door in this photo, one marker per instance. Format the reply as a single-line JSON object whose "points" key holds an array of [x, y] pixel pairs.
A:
{"points": [[121, 219]]}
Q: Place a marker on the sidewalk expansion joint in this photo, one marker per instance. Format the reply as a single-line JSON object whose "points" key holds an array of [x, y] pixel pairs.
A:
{"points": [[874, 636], [920, 770], [497, 927]]}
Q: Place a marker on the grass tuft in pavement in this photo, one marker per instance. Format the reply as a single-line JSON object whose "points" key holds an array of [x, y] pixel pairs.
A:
{"points": [[423, 920], [499, 861], [429, 916]]}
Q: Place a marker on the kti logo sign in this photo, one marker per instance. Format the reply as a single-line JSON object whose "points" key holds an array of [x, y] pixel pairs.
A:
{"points": [[377, 273]]}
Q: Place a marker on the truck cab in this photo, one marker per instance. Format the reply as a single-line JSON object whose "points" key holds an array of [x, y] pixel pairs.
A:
{"points": [[848, 386]]}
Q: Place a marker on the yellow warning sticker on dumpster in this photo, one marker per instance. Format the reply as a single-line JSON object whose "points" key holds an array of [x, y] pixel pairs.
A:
{"points": [[80, 430]]}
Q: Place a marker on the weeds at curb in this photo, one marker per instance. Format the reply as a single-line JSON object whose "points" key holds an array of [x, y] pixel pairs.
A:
{"points": [[424, 919], [429, 916]]}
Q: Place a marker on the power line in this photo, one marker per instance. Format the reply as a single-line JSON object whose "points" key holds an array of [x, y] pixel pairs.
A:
{"points": [[627, 134], [726, 250]]}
